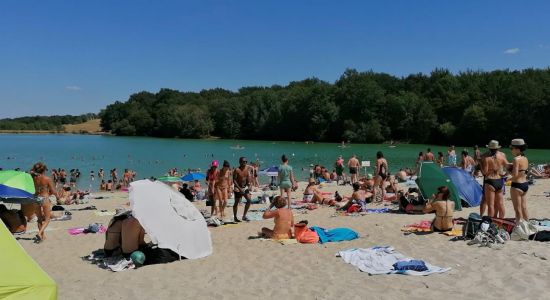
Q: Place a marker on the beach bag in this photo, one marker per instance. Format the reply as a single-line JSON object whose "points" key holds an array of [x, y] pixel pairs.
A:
{"points": [[523, 230], [308, 237], [299, 229], [471, 226]]}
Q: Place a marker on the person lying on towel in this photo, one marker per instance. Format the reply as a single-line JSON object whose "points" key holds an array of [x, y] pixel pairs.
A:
{"points": [[443, 207], [284, 220]]}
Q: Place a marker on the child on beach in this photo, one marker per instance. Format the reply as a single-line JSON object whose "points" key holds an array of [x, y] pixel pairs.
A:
{"points": [[284, 220]]}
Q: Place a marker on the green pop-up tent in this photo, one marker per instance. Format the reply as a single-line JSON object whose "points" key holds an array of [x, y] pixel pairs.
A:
{"points": [[430, 177], [20, 276]]}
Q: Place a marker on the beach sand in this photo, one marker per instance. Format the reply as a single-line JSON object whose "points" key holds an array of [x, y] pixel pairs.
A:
{"points": [[251, 269]]}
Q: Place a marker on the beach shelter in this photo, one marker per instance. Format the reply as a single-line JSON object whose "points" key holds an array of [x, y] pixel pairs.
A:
{"points": [[170, 220], [272, 171], [16, 187], [20, 276], [430, 177], [193, 177], [468, 189]]}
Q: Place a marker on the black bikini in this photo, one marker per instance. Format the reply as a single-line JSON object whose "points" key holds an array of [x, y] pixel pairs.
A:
{"points": [[523, 186], [497, 184]]}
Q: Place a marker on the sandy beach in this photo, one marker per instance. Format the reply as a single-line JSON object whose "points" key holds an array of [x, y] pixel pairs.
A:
{"points": [[252, 269]]}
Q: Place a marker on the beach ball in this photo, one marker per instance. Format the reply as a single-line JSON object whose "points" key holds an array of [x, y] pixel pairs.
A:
{"points": [[138, 258]]}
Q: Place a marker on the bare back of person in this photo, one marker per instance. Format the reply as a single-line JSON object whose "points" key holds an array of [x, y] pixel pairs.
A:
{"points": [[429, 156], [283, 223]]}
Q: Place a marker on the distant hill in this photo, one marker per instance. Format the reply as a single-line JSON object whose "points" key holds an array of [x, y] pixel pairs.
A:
{"points": [[86, 123], [91, 126]]}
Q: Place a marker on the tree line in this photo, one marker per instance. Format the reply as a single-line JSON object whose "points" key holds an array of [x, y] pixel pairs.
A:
{"points": [[50, 123], [365, 107]]}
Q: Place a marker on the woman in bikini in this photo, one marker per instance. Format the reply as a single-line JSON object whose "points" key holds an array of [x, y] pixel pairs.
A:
{"points": [[44, 189], [493, 164], [223, 181], [519, 179], [312, 195], [284, 220], [211, 176], [381, 173], [443, 207]]}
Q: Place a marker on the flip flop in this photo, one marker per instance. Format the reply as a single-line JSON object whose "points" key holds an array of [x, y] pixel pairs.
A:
{"points": [[37, 239]]}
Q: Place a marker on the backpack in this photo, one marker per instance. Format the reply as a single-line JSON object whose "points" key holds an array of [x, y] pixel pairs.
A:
{"points": [[471, 226]]}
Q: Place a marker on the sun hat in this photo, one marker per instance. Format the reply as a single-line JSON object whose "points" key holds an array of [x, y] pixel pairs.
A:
{"points": [[517, 142], [214, 163], [493, 145]]}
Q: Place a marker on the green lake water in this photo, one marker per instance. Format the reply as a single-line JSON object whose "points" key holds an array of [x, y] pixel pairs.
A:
{"points": [[154, 156]]}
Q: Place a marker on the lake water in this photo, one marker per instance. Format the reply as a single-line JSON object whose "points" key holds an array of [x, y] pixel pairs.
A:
{"points": [[154, 156]]}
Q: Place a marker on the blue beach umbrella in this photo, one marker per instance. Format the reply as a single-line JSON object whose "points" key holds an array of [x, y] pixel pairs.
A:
{"points": [[193, 177]]}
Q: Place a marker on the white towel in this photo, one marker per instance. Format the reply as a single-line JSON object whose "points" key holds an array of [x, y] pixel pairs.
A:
{"points": [[380, 260]]}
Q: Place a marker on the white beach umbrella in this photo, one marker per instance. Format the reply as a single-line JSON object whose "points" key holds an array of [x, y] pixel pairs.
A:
{"points": [[170, 220]]}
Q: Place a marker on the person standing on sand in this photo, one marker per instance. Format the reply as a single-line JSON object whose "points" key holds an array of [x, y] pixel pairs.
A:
{"points": [[353, 165], [520, 186], [429, 156], [492, 165], [451, 156], [467, 163], [44, 189], [222, 185], [339, 167], [286, 179], [241, 182], [211, 176], [380, 173]]}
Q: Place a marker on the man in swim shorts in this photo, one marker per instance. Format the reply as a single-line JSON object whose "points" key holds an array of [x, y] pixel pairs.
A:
{"points": [[353, 165], [241, 184]]}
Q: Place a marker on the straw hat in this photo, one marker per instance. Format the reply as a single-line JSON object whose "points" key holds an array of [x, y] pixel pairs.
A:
{"points": [[517, 142], [493, 145]]}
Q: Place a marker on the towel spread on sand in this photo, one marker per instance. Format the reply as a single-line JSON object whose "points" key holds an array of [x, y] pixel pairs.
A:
{"points": [[334, 235], [422, 226], [82, 230], [283, 242], [380, 260]]}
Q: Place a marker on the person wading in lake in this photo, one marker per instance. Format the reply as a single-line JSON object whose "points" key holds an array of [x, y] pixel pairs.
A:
{"points": [[492, 165], [353, 165], [241, 183], [44, 189]]}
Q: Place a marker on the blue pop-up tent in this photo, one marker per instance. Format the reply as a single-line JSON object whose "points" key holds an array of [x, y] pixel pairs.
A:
{"points": [[469, 190]]}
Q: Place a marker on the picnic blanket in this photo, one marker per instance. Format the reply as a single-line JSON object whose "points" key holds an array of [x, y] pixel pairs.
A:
{"points": [[381, 260], [334, 235]]}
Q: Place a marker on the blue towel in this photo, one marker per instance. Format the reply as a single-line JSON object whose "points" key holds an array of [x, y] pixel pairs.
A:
{"points": [[335, 235], [410, 265]]}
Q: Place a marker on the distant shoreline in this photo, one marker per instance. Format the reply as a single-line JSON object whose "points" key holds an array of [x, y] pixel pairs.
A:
{"points": [[52, 132]]}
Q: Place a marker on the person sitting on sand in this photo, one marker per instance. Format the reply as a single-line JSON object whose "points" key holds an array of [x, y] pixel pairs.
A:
{"points": [[357, 197], [14, 219], [103, 185], [284, 220], [443, 208], [109, 186], [65, 197], [312, 195]]}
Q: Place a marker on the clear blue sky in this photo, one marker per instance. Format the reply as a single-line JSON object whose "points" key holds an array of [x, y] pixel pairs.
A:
{"points": [[72, 57]]}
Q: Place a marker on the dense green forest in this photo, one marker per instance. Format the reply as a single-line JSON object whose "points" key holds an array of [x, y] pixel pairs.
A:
{"points": [[54, 123], [441, 108]]}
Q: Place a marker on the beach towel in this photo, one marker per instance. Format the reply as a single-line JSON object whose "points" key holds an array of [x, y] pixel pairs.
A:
{"points": [[422, 226], [334, 235], [381, 260], [83, 230]]}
